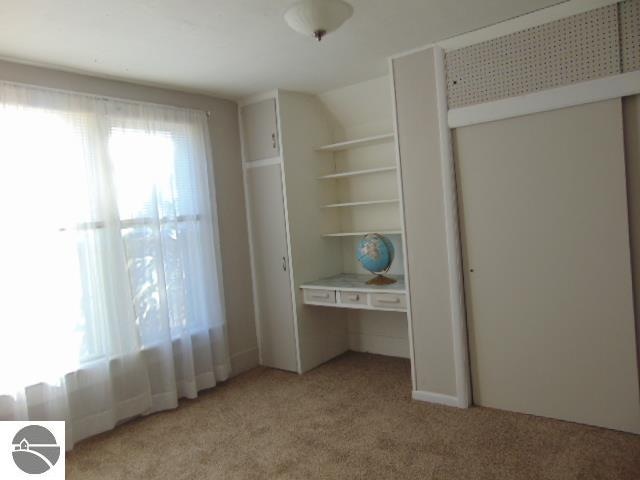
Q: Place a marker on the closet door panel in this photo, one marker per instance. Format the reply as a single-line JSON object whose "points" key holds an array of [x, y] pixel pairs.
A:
{"points": [[260, 130], [547, 265], [270, 263]]}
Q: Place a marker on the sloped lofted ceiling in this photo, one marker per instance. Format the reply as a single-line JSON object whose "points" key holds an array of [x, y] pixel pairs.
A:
{"points": [[232, 48]]}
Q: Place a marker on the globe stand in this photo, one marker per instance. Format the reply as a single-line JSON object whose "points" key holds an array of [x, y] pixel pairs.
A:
{"points": [[381, 280]]}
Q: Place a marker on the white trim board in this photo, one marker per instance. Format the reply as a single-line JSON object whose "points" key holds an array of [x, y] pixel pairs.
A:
{"points": [[605, 88], [452, 232], [438, 398]]}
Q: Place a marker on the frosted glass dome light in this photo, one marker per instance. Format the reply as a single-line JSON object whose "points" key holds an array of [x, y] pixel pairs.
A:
{"points": [[317, 17]]}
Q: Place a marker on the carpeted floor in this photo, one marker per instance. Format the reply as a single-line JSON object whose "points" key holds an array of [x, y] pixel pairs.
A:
{"points": [[351, 418]]}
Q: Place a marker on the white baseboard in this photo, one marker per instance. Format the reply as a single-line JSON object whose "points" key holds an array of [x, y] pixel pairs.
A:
{"points": [[243, 361], [379, 344], [438, 398]]}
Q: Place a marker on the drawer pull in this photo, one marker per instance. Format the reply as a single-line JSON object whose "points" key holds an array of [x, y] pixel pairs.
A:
{"points": [[354, 298], [384, 300]]}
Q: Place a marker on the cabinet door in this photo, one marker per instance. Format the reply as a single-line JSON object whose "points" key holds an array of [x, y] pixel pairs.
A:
{"points": [[260, 130], [270, 268]]}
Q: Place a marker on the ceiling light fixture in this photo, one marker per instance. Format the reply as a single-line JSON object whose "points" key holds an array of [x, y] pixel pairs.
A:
{"points": [[317, 17]]}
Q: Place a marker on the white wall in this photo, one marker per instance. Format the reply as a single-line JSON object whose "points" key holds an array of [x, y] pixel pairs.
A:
{"points": [[225, 142], [356, 111]]}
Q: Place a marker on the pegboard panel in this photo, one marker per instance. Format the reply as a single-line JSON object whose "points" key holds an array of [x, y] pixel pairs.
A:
{"points": [[573, 49], [630, 35]]}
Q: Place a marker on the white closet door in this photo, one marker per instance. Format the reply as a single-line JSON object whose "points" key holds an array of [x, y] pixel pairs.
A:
{"points": [[271, 270], [548, 280]]}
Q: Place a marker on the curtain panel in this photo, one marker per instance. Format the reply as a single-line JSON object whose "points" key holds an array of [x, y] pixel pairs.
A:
{"points": [[111, 301]]}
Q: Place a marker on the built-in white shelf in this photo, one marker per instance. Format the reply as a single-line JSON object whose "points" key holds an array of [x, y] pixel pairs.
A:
{"points": [[362, 234], [358, 204], [360, 142], [356, 282], [358, 172]]}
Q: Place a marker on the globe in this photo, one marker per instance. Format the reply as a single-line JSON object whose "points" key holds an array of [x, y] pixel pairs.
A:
{"points": [[375, 253]]}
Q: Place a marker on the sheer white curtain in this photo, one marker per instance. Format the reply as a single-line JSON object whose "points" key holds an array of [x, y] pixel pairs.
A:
{"points": [[110, 293]]}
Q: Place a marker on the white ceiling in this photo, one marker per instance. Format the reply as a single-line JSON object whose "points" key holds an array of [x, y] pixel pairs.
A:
{"points": [[232, 47]]}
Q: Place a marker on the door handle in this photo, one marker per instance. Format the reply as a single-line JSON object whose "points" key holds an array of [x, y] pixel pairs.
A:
{"points": [[273, 140], [284, 263]]}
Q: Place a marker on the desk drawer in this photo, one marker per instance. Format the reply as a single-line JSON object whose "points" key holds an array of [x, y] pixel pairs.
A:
{"points": [[389, 300], [312, 295], [353, 298]]}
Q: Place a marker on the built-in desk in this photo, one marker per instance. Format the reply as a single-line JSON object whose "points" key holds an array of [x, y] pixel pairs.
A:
{"points": [[349, 290]]}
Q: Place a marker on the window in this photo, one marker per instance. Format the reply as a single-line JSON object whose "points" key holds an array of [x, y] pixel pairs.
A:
{"points": [[108, 244]]}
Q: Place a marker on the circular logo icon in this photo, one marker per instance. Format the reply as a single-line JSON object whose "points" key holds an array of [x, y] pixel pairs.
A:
{"points": [[35, 449]]}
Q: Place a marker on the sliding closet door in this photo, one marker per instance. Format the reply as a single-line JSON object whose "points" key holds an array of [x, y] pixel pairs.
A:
{"points": [[546, 252], [271, 271]]}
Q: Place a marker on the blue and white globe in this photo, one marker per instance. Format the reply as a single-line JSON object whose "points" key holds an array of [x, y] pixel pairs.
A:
{"points": [[375, 253]]}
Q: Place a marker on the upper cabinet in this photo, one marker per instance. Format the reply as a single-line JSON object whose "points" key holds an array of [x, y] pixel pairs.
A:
{"points": [[260, 129]]}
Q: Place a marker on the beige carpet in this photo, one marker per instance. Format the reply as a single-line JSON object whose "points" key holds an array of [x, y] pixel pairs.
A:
{"points": [[351, 418]]}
